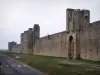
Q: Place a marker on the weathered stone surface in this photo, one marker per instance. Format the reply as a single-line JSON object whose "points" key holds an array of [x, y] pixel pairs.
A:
{"points": [[52, 45], [90, 44]]}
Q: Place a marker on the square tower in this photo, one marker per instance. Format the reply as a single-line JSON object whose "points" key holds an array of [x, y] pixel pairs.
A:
{"points": [[76, 19], [76, 22]]}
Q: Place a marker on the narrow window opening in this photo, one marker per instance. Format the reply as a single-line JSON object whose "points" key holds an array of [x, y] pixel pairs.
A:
{"points": [[86, 17]]}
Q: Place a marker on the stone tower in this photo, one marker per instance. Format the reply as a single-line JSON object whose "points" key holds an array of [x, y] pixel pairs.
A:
{"points": [[22, 41], [30, 38], [76, 22], [11, 45], [77, 19], [36, 33]]}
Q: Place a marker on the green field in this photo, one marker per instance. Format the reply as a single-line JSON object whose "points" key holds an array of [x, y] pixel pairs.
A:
{"points": [[60, 66]]}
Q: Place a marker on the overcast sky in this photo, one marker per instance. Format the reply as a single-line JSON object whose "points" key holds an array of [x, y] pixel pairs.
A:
{"points": [[16, 16]]}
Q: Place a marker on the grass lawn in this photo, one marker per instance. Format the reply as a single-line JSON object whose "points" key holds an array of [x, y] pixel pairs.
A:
{"points": [[60, 66]]}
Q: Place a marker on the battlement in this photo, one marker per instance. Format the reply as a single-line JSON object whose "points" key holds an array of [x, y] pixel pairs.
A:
{"points": [[25, 31], [70, 9], [22, 34], [30, 29], [84, 10], [77, 10], [36, 25]]}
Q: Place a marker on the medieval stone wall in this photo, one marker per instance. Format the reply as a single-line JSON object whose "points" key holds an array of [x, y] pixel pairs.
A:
{"points": [[80, 40], [16, 49], [90, 42], [52, 45]]}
